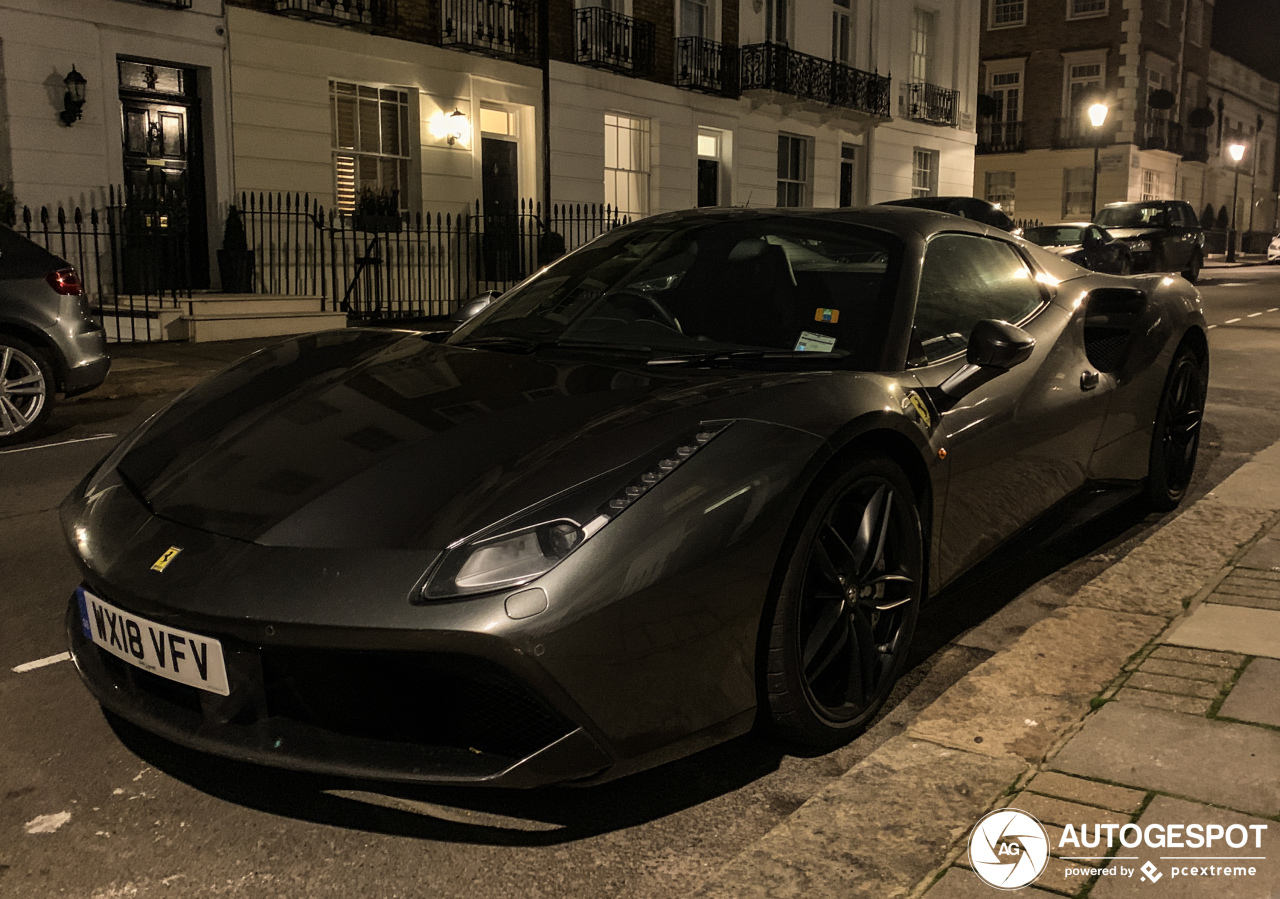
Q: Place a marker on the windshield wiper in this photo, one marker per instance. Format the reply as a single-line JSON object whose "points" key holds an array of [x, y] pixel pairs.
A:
{"points": [[734, 355], [525, 345], [519, 344]]}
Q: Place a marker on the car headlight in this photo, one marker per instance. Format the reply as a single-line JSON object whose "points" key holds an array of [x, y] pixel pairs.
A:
{"points": [[1140, 246], [522, 549]]}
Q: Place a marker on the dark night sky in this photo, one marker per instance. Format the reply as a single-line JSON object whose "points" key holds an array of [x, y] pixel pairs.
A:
{"points": [[1249, 30]]}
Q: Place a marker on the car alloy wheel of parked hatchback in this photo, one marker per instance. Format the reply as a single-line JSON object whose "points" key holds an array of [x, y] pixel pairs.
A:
{"points": [[25, 380]]}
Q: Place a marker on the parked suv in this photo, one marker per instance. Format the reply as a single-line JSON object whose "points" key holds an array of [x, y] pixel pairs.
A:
{"points": [[1163, 235], [49, 342]]}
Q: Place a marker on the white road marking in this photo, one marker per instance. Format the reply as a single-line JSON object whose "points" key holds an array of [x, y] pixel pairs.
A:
{"points": [[1211, 327], [1231, 321], [1274, 309], [1253, 315], [25, 449], [40, 663]]}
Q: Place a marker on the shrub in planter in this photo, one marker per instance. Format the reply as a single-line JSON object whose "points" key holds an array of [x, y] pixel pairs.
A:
{"points": [[235, 259], [377, 210]]}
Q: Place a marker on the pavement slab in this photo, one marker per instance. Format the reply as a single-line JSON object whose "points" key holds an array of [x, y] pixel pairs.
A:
{"points": [[1140, 680], [1256, 486], [1158, 590], [876, 832], [1189, 670], [1048, 810], [1265, 554], [1187, 705], [1214, 626], [1205, 536], [1182, 884], [1020, 702], [1256, 696], [1088, 792], [1231, 660], [1232, 765], [961, 883]]}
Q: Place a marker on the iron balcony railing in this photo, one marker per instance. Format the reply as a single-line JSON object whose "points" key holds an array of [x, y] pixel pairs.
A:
{"points": [[1161, 134], [1195, 145], [505, 28], [358, 13], [931, 103], [1076, 131], [169, 4], [1000, 137], [704, 65], [610, 40], [774, 67]]}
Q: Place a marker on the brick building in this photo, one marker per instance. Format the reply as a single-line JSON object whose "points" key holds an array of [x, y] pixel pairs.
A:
{"points": [[1045, 62]]}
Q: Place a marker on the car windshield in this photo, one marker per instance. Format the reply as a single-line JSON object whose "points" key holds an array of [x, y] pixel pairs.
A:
{"points": [[1050, 236], [1134, 215], [727, 286]]}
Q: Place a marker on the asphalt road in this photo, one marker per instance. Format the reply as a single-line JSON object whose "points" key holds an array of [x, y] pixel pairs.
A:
{"points": [[93, 808]]}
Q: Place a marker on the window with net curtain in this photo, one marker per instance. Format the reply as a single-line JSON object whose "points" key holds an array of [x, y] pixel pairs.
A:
{"points": [[371, 142]]}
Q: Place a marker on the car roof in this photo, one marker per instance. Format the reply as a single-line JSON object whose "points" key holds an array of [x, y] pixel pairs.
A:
{"points": [[902, 221]]}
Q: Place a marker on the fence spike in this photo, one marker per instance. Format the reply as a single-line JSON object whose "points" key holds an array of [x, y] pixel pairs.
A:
{"points": [[77, 217], [44, 215], [62, 217], [26, 215], [93, 217]]}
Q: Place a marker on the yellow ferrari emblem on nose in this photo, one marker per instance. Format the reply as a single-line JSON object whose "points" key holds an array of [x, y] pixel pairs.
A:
{"points": [[169, 555]]}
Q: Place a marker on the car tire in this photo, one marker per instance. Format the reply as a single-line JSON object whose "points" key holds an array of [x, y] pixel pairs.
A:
{"points": [[26, 389], [1192, 271], [847, 608], [1175, 436]]}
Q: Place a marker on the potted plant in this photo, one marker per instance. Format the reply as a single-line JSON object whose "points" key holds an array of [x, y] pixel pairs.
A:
{"points": [[235, 259], [377, 210]]}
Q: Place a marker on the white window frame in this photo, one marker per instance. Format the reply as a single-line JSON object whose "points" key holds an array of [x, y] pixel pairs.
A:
{"points": [[348, 181], [772, 8], [802, 180], [1087, 9], [1003, 68], [1195, 22], [1083, 194], [711, 21], [1152, 186], [993, 25], [924, 39], [843, 15], [1001, 188], [924, 172], [620, 126], [1072, 61]]}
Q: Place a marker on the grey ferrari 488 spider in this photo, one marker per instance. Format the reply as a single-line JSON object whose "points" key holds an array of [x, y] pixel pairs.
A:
{"points": [[698, 475]]}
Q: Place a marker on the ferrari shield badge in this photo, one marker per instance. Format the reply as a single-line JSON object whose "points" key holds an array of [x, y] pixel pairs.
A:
{"points": [[166, 557], [915, 407]]}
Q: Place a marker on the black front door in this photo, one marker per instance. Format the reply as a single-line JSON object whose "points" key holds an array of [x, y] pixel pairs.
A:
{"points": [[708, 182], [166, 239], [500, 185]]}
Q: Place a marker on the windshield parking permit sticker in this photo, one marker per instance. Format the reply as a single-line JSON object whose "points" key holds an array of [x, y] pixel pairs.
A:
{"points": [[830, 316], [814, 343]]}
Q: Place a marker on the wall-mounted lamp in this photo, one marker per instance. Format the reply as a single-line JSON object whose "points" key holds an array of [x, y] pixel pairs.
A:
{"points": [[457, 124], [73, 100]]}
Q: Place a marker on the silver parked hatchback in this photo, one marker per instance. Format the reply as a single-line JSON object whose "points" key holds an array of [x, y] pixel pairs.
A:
{"points": [[49, 341]]}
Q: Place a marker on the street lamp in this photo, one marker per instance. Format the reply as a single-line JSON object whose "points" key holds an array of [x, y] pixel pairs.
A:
{"points": [[1097, 118], [1236, 151]]}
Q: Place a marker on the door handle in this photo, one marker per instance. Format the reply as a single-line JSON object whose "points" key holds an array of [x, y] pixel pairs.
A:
{"points": [[1088, 380]]}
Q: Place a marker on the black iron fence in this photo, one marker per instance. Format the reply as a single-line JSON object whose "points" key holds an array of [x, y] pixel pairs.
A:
{"points": [[610, 40], [1000, 137], [931, 103], [507, 28], [423, 265], [358, 13], [705, 65], [133, 255]]}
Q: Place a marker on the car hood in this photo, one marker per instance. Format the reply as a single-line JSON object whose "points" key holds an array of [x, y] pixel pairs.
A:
{"points": [[1066, 250], [1134, 233], [366, 438]]}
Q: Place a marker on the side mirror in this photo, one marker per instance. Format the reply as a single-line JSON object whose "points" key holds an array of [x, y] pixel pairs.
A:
{"points": [[474, 306], [994, 348]]}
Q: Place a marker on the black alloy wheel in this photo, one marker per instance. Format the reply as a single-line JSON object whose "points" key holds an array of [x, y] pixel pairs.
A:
{"points": [[847, 607], [1175, 438]]}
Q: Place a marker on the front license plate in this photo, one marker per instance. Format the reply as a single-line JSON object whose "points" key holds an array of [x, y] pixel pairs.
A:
{"points": [[177, 655]]}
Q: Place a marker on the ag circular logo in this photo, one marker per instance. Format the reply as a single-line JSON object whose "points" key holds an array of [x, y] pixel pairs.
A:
{"points": [[1008, 849]]}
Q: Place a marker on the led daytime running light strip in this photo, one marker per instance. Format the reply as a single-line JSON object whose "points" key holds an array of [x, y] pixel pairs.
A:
{"points": [[649, 479]]}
